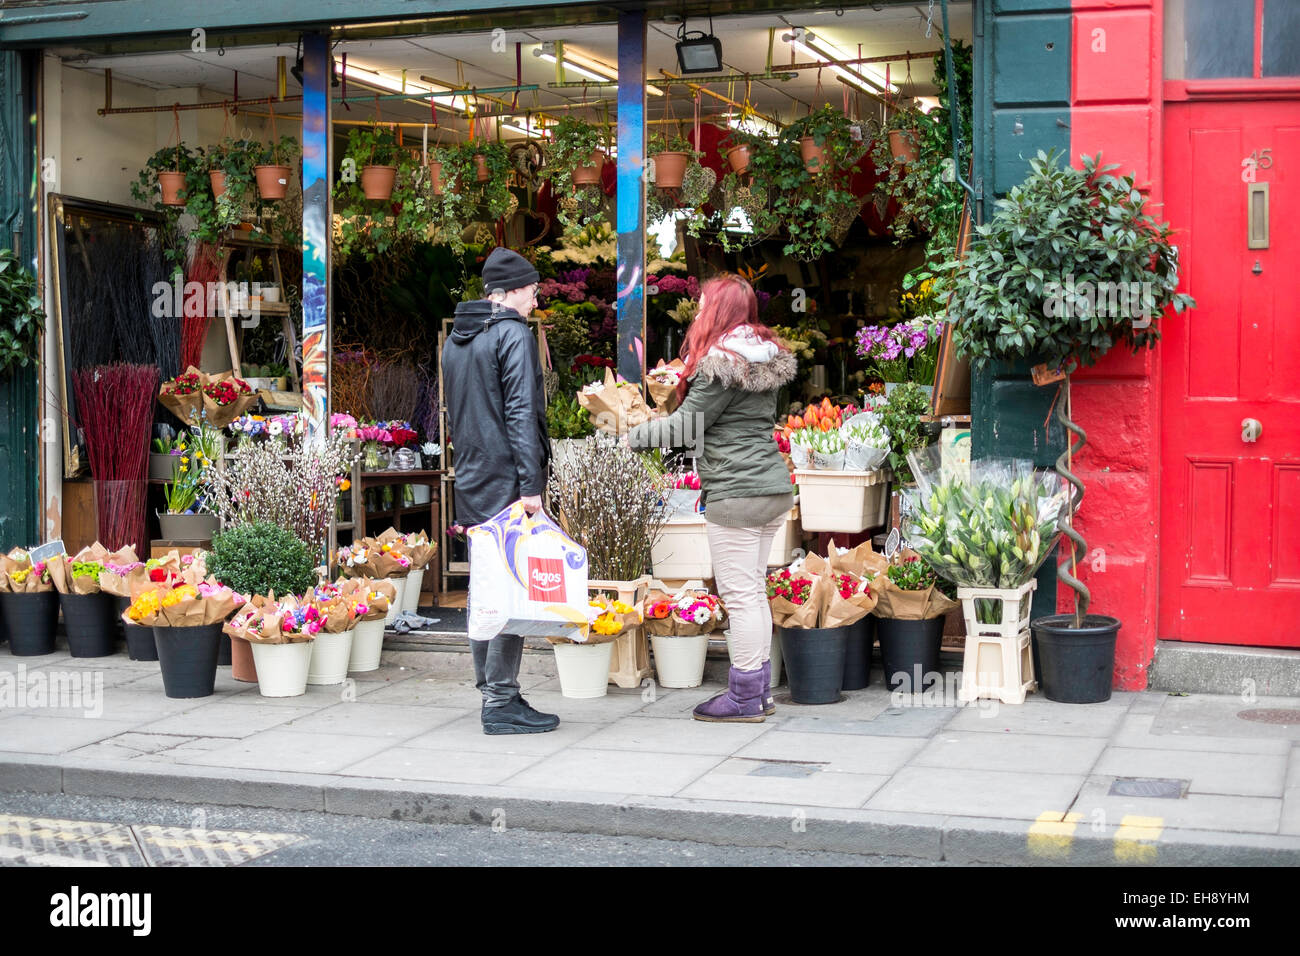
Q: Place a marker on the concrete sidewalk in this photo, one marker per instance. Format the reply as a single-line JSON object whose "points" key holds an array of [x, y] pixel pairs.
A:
{"points": [[1145, 778]]}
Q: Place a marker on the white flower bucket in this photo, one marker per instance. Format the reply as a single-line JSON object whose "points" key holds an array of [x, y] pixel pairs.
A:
{"points": [[679, 661], [329, 658], [367, 646], [584, 669], [282, 668], [411, 598], [395, 608], [786, 540]]}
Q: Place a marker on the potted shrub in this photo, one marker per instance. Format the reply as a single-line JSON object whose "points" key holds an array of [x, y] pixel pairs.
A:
{"points": [[272, 167], [1027, 289]]}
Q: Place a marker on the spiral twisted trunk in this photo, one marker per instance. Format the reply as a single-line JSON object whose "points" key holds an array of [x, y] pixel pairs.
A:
{"points": [[1078, 547]]}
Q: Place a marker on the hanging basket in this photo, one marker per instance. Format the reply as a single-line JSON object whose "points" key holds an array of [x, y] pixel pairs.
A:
{"points": [[272, 181], [173, 188], [480, 164], [670, 169], [903, 145], [377, 181], [218, 179], [738, 158], [590, 174], [435, 176], [814, 156]]}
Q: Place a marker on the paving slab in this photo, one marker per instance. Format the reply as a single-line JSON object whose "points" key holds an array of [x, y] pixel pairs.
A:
{"points": [[1254, 775], [291, 751], [466, 734], [446, 766], [1138, 730], [25, 733], [1211, 716], [656, 774], [666, 735], [842, 753], [1196, 811], [1041, 716], [1290, 822], [368, 718], [219, 718], [992, 793], [1031, 753], [743, 779]]}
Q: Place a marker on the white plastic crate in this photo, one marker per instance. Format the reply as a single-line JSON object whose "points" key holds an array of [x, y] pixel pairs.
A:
{"points": [[997, 661], [682, 551], [843, 501], [786, 540]]}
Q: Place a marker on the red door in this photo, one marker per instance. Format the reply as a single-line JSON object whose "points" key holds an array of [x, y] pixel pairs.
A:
{"points": [[1230, 507]]}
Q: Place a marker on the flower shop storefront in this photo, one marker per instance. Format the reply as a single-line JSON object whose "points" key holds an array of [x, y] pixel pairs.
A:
{"points": [[328, 188]]}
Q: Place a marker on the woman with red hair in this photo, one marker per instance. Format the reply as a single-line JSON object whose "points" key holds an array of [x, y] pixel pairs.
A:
{"points": [[728, 390]]}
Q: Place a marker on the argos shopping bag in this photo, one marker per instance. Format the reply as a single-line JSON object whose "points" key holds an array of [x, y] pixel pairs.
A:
{"points": [[526, 576]]}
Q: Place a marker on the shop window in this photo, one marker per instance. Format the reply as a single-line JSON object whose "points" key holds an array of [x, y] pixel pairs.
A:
{"points": [[1281, 46], [1209, 39]]}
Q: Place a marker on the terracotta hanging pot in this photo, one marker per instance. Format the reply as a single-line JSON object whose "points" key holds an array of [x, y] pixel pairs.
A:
{"points": [[173, 188], [590, 173], [480, 161], [218, 179], [272, 181], [814, 156], [738, 157], [670, 167], [903, 145], [435, 176], [377, 181]]}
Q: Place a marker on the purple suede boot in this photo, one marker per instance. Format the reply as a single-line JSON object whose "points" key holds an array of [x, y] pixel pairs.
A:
{"points": [[742, 702], [769, 702]]}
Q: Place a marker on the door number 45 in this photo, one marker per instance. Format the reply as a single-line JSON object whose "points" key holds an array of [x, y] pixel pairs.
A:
{"points": [[1259, 159]]}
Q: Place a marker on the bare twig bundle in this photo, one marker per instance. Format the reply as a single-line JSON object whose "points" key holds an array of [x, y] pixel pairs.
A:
{"points": [[394, 390], [350, 381]]}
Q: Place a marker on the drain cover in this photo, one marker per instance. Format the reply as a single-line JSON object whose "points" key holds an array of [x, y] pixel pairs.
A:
{"points": [[798, 771], [1272, 715], [1160, 788]]}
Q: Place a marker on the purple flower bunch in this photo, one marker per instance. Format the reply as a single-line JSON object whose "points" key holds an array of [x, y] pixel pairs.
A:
{"points": [[676, 285], [549, 289], [903, 340]]}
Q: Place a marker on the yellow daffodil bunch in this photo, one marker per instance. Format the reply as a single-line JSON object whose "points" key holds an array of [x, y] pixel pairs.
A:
{"points": [[146, 605], [186, 592]]}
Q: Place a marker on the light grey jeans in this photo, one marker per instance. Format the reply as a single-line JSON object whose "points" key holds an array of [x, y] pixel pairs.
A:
{"points": [[740, 572]]}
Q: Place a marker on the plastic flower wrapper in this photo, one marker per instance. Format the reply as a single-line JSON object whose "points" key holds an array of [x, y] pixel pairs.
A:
{"points": [[19, 576], [991, 530], [826, 448], [866, 442], [661, 383]]}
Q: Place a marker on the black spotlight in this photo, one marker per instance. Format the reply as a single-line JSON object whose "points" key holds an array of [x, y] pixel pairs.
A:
{"points": [[697, 51], [297, 68]]}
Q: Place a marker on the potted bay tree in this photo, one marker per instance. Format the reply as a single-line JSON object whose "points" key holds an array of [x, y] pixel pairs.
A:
{"points": [[1071, 265]]}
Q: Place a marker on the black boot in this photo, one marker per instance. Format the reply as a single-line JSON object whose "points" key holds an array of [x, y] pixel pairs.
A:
{"points": [[516, 717]]}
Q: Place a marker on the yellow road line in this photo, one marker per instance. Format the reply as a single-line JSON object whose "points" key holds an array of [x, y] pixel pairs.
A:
{"points": [[1136, 838], [1051, 835]]}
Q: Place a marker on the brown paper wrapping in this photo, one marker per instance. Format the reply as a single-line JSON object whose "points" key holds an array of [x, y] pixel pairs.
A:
{"points": [[123, 585], [665, 396], [17, 560], [663, 626], [187, 407], [338, 616], [630, 620], [787, 614], [615, 408], [910, 605], [362, 587], [840, 612]]}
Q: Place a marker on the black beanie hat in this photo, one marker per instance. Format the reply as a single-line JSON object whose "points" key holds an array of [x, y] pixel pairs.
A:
{"points": [[506, 271]]}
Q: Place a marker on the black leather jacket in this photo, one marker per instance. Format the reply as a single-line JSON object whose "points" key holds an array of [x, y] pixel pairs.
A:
{"points": [[496, 408]]}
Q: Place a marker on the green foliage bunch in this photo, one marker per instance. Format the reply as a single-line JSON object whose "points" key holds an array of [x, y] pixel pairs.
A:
{"points": [[21, 317], [261, 557], [901, 417]]}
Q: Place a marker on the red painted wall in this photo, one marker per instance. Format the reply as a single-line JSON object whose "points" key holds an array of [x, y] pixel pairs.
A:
{"points": [[1115, 110]]}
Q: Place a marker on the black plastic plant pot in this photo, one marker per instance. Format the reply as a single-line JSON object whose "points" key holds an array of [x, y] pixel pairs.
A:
{"points": [[909, 652], [224, 652], [814, 662], [140, 644], [90, 623], [30, 619], [187, 657], [857, 654], [1078, 663]]}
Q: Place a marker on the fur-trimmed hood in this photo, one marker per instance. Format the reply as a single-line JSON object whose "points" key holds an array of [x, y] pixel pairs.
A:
{"points": [[743, 360]]}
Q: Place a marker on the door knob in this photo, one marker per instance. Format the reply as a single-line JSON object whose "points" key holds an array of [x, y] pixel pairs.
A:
{"points": [[1251, 429]]}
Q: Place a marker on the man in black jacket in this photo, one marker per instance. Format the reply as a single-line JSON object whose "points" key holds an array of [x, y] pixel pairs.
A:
{"points": [[496, 406]]}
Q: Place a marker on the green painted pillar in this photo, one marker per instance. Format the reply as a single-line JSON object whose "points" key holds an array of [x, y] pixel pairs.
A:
{"points": [[1022, 105], [19, 392]]}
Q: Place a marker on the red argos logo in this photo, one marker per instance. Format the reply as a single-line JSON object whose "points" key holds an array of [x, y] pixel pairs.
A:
{"points": [[545, 579]]}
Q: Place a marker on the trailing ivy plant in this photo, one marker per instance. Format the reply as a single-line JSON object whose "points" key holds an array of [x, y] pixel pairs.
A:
{"points": [[378, 227], [1070, 265], [469, 200], [145, 190], [21, 317], [281, 152], [235, 159], [573, 140]]}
